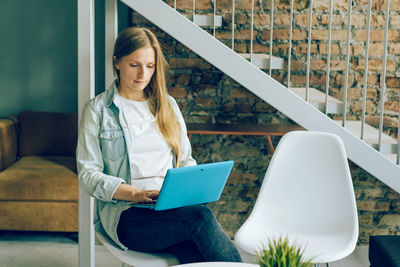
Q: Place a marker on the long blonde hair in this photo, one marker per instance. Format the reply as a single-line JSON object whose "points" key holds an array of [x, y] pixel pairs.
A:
{"points": [[130, 40]]}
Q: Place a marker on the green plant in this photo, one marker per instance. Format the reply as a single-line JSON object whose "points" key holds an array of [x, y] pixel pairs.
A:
{"points": [[280, 253]]}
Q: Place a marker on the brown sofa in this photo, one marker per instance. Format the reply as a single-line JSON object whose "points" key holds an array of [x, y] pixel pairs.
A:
{"points": [[38, 180]]}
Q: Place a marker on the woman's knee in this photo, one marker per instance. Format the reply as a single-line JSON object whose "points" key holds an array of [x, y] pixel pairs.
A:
{"points": [[203, 214]]}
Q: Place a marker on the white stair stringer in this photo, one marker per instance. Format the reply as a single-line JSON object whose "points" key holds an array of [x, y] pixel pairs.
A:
{"points": [[265, 87]]}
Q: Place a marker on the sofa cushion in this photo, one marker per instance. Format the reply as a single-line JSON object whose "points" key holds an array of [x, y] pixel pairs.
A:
{"points": [[41, 179], [48, 133], [39, 216], [384, 251]]}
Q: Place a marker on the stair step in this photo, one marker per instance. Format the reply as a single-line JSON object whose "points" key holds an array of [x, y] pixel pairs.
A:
{"points": [[205, 20], [262, 61], [371, 136], [317, 99], [392, 157]]}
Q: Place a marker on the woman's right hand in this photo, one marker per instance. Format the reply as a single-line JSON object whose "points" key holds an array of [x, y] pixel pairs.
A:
{"points": [[133, 194]]}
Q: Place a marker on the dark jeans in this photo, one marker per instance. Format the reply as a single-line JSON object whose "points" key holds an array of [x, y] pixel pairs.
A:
{"points": [[192, 234]]}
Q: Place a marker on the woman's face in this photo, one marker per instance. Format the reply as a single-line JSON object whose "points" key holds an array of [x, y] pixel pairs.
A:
{"points": [[136, 69]]}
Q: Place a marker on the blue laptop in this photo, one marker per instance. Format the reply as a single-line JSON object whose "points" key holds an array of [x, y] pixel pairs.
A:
{"points": [[191, 185]]}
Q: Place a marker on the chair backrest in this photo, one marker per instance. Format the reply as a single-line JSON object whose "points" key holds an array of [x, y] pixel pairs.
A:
{"points": [[307, 190], [309, 178]]}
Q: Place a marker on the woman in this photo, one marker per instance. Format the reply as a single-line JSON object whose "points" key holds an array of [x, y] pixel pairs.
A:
{"points": [[128, 137]]}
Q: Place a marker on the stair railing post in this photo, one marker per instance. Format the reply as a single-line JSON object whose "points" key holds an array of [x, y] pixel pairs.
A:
{"points": [[398, 138], [328, 60], [251, 31], [271, 36], [346, 78], [194, 11], [215, 8], [383, 82], [309, 49], [233, 24], [290, 41], [364, 104]]}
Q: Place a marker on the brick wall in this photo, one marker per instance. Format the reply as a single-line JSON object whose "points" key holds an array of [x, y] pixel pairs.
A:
{"points": [[207, 95]]}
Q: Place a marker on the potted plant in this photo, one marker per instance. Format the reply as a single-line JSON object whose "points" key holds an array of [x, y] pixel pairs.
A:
{"points": [[280, 253]]}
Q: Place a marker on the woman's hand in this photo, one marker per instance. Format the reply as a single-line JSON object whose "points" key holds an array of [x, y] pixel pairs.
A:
{"points": [[130, 193]]}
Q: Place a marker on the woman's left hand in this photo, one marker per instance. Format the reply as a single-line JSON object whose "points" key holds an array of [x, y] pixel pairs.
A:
{"points": [[133, 194]]}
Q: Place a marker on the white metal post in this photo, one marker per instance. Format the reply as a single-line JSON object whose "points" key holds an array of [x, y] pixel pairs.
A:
{"points": [[346, 77], [194, 11], [233, 24], [111, 32], [310, 14], [271, 35], [383, 80], [251, 31], [290, 42], [215, 10], [85, 92], [364, 103], [398, 140], [328, 60]]}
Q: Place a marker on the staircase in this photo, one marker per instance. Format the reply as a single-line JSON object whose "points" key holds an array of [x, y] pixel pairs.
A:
{"points": [[291, 101]]}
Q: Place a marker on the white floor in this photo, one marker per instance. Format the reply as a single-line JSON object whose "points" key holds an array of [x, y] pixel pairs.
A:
{"points": [[47, 250]]}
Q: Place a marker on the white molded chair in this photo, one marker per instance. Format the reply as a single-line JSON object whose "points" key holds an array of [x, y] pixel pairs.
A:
{"points": [[307, 195], [135, 258]]}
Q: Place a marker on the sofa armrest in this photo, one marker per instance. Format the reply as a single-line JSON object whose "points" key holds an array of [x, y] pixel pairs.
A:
{"points": [[8, 141]]}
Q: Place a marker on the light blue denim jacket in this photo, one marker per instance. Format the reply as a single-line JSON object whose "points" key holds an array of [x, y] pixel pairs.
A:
{"points": [[102, 158]]}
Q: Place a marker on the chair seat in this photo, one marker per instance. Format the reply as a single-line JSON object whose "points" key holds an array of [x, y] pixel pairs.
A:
{"points": [[384, 251], [312, 244]]}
